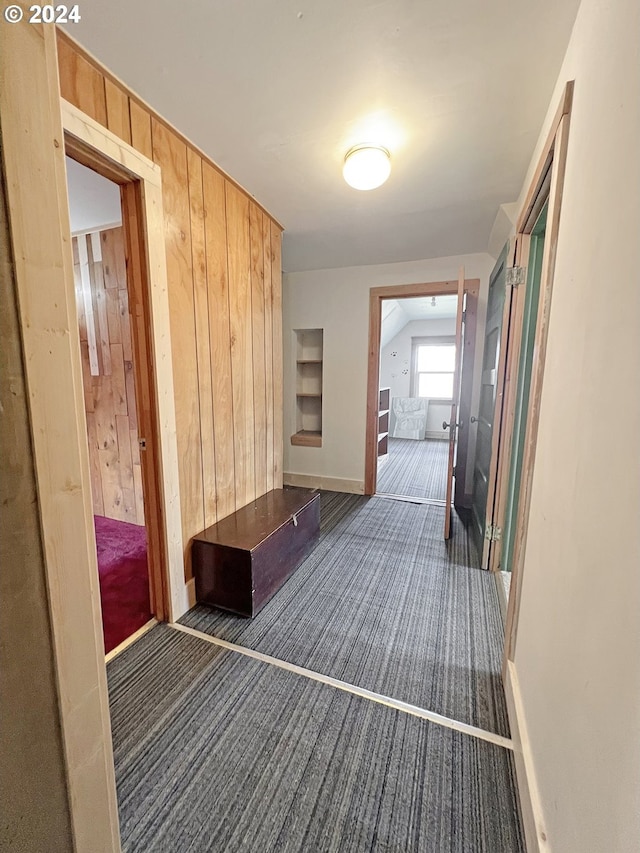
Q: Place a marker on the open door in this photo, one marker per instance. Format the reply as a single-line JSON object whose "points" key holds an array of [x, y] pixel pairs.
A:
{"points": [[455, 404], [490, 406]]}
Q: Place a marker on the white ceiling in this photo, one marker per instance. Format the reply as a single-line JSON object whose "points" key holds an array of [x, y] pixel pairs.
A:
{"points": [[430, 307], [276, 91], [94, 202], [396, 313]]}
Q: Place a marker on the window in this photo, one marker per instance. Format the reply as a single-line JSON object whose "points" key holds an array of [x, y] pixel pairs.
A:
{"points": [[433, 367]]}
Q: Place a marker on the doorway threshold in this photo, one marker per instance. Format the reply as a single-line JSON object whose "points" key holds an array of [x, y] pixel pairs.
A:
{"points": [[411, 499], [130, 640]]}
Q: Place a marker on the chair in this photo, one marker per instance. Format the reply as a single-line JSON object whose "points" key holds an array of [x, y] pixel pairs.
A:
{"points": [[410, 417]]}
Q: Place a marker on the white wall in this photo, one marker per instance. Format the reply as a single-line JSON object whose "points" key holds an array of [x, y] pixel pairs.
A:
{"points": [[578, 644], [94, 201], [337, 301], [395, 368]]}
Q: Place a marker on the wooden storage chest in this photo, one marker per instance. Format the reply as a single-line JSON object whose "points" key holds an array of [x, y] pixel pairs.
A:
{"points": [[240, 562]]}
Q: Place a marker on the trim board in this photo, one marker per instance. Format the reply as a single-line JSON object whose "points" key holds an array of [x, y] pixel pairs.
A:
{"points": [[331, 484], [530, 804]]}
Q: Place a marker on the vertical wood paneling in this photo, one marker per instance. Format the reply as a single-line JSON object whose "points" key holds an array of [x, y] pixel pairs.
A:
{"points": [[114, 264], [239, 261], [125, 323], [117, 107], [110, 404], [203, 348], [171, 154], [125, 466], [88, 324], [276, 301], [114, 325], [268, 347], [103, 411], [219, 331], [140, 129], [87, 379], [81, 83], [100, 303], [94, 461], [118, 387], [256, 219], [224, 280]]}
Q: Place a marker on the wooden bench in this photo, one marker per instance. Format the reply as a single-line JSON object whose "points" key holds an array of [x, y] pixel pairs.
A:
{"points": [[240, 562]]}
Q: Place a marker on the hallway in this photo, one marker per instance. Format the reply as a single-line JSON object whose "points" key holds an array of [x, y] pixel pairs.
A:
{"points": [[362, 709]]}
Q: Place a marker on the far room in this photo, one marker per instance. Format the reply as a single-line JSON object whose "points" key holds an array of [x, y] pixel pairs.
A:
{"points": [[417, 362]]}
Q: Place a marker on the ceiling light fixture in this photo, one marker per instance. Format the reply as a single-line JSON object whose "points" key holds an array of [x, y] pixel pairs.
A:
{"points": [[366, 166]]}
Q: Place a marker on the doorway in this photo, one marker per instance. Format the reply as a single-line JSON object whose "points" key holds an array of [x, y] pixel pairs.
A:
{"points": [[380, 422], [144, 381], [109, 387], [417, 365]]}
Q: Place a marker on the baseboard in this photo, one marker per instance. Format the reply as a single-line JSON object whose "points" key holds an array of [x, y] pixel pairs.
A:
{"points": [[191, 592], [440, 434], [331, 484], [530, 804]]}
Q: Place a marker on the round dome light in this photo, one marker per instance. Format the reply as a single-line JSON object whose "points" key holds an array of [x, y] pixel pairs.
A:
{"points": [[366, 167]]}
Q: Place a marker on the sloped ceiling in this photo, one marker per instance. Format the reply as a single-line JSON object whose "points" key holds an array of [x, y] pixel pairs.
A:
{"points": [[277, 91], [396, 313], [394, 319]]}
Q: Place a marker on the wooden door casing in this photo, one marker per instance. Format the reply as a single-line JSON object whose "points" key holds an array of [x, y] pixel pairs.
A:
{"points": [[409, 291]]}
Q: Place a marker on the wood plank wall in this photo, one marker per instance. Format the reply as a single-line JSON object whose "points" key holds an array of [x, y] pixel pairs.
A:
{"points": [[225, 302], [109, 389]]}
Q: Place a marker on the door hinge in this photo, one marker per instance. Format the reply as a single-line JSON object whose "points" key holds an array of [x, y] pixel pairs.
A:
{"points": [[515, 276], [142, 443], [493, 533]]}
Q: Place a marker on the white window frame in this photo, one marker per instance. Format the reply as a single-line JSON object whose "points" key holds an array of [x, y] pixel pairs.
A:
{"points": [[416, 343]]}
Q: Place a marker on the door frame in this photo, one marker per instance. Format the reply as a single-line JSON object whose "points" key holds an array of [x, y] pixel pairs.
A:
{"points": [[546, 185], [34, 169], [140, 182], [407, 291]]}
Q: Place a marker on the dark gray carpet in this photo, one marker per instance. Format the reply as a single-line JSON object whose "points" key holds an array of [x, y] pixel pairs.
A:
{"points": [[337, 508], [384, 603], [216, 752], [415, 468]]}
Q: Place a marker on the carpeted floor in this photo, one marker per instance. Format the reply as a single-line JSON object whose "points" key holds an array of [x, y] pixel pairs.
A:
{"points": [[216, 752], [124, 579], [384, 603], [415, 468]]}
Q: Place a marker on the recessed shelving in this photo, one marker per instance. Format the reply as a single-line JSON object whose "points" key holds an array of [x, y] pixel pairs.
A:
{"points": [[309, 357], [307, 438]]}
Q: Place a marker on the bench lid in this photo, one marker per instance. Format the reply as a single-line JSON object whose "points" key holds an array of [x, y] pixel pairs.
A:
{"points": [[248, 527]]}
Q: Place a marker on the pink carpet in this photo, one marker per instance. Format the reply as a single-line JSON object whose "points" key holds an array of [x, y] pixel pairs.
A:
{"points": [[124, 580]]}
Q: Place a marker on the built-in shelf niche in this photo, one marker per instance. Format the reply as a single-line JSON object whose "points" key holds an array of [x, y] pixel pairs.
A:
{"points": [[309, 352]]}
